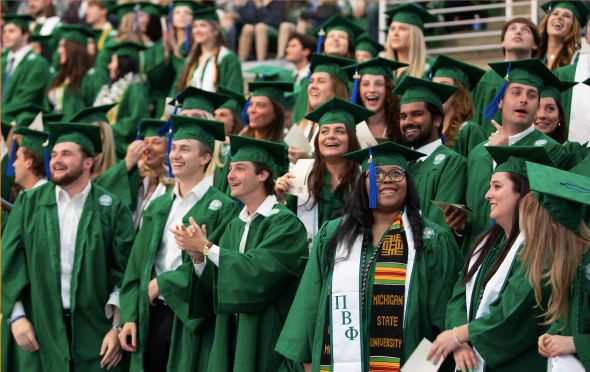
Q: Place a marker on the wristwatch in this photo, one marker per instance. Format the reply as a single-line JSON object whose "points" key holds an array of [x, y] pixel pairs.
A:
{"points": [[116, 327], [207, 248]]}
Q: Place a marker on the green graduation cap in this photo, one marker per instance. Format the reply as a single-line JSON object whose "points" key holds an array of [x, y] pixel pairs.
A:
{"points": [[575, 158], [204, 130], [86, 135], [152, 9], [236, 102], [413, 89], [368, 44], [578, 8], [271, 73], [193, 5], [330, 64], [50, 118], [563, 194], [122, 9], [513, 158], [271, 89], [583, 166], [259, 151], [338, 110], [206, 14], [33, 139], [149, 128], [92, 114], [128, 49], [25, 113], [587, 82], [552, 91], [77, 33], [145, 6], [19, 20], [411, 14], [195, 98], [375, 66], [339, 22], [449, 67], [41, 39]]}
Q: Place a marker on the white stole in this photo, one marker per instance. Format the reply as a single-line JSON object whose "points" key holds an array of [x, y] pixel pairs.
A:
{"points": [[493, 287], [565, 363], [204, 78], [579, 123], [308, 214]]}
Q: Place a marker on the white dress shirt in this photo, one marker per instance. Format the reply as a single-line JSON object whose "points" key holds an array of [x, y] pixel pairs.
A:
{"points": [[429, 149], [169, 256], [143, 201], [299, 75], [264, 209], [18, 57]]}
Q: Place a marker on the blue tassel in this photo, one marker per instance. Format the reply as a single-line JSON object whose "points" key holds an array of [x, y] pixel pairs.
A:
{"points": [[138, 137], [308, 76], [490, 111], [186, 34], [170, 11], [136, 18], [443, 138], [10, 168], [372, 182], [168, 149], [244, 115], [165, 128], [47, 159], [430, 75], [321, 40], [550, 7], [355, 87], [261, 77]]}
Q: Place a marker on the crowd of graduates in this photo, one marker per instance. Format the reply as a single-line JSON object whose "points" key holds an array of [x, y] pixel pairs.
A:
{"points": [[154, 219]]}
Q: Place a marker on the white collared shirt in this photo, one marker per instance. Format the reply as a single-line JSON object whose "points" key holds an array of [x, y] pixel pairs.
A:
{"points": [[264, 209], [169, 256], [299, 75], [143, 201], [18, 57], [41, 182], [429, 149]]}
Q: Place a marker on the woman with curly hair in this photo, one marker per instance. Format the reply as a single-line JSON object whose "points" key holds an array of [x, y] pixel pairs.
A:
{"points": [[375, 88], [460, 134], [561, 33]]}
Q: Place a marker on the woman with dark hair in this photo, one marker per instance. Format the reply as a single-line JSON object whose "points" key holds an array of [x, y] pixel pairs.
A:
{"points": [[335, 175], [128, 89], [561, 33], [551, 117], [73, 86], [375, 88], [459, 134], [384, 269], [492, 322]]}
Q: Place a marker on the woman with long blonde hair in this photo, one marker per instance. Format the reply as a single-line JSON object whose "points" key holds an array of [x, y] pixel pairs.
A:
{"points": [[555, 255], [405, 40], [561, 33]]}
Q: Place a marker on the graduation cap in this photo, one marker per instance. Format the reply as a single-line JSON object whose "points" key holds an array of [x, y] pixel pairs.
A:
{"points": [[135, 6], [413, 89], [563, 194], [368, 44], [574, 158], [32, 139], [19, 20], [330, 64], [92, 114], [337, 22], [531, 72], [259, 151], [204, 130], [152, 9], [86, 135], [128, 49], [237, 100], [375, 66], [583, 166], [149, 128], [587, 82], [25, 113], [271, 89], [271, 73], [193, 5], [51, 117], [387, 153], [41, 39], [552, 91], [206, 14], [445, 66], [411, 14], [77, 33], [338, 110], [514, 158], [195, 98], [578, 8]]}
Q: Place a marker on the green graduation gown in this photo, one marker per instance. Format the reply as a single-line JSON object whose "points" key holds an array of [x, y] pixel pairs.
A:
{"points": [[134, 107], [259, 285], [122, 183], [220, 181], [26, 84], [31, 273], [440, 177], [506, 338], [479, 171], [567, 73], [470, 135], [482, 95], [433, 276], [191, 338]]}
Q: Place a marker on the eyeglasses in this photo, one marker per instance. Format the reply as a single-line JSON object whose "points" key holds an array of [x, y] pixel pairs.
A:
{"points": [[396, 175]]}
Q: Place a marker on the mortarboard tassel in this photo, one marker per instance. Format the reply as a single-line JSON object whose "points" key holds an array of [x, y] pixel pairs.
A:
{"points": [[308, 75], [170, 12], [372, 181], [355, 87], [186, 36], [321, 40], [490, 111], [261, 77], [244, 115], [10, 168], [430, 75], [136, 10], [168, 149], [138, 137], [443, 138], [168, 124], [550, 7], [47, 159]]}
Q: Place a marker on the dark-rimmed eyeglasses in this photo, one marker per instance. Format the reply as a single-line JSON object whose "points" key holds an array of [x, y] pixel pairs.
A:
{"points": [[396, 175]]}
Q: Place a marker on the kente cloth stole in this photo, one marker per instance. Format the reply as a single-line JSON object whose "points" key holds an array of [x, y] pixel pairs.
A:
{"points": [[386, 306]]}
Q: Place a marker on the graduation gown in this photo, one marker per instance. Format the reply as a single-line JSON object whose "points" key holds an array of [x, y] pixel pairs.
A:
{"points": [[482, 95], [134, 107], [479, 171], [440, 177], [506, 338], [220, 181], [26, 84], [470, 135], [31, 273], [259, 285], [430, 286], [191, 339], [578, 313], [122, 183]]}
